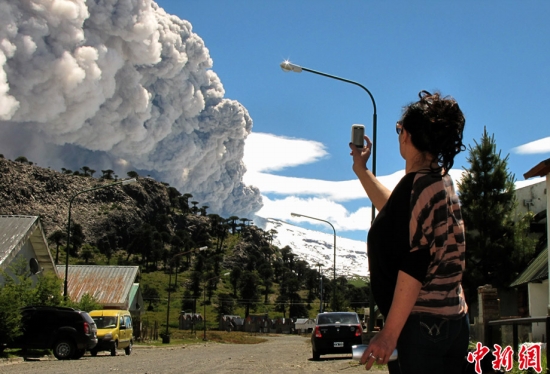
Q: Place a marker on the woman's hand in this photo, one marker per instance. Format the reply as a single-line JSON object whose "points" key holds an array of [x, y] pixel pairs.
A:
{"points": [[380, 349], [361, 155]]}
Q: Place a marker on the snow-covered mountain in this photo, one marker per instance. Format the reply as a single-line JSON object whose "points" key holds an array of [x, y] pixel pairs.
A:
{"points": [[318, 248]]}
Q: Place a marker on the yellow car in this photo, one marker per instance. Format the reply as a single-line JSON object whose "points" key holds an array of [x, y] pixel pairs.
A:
{"points": [[114, 331]]}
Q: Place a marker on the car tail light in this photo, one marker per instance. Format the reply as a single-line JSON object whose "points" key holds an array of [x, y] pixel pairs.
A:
{"points": [[359, 330], [86, 328], [318, 332]]}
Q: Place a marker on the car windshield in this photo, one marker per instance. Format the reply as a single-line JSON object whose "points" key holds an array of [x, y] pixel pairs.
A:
{"points": [[105, 322], [330, 318]]}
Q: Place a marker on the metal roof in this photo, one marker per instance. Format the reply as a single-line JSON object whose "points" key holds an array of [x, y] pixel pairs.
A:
{"points": [[15, 231], [537, 271], [110, 285]]}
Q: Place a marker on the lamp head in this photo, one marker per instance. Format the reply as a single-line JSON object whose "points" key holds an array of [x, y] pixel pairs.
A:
{"points": [[129, 181], [288, 66], [202, 248], [295, 215]]}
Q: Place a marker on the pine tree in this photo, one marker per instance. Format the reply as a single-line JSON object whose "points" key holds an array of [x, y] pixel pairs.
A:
{"points": [[487, 195]]}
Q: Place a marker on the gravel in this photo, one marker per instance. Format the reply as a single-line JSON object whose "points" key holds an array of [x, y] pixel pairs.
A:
{"points": [[280, 354]]}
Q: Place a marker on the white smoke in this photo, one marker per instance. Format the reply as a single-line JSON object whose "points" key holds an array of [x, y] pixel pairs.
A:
{"points": [[120, 84]]}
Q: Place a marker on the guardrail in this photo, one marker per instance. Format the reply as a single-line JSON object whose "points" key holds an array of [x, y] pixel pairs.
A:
{"points": [[520, 321]]}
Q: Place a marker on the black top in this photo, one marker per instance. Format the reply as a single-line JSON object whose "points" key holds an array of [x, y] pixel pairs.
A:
{"points": [[389, 248]]}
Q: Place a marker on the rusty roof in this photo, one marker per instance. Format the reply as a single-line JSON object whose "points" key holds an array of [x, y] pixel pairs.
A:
{"points": [[111, 286], [540, 170], [15, 231]]}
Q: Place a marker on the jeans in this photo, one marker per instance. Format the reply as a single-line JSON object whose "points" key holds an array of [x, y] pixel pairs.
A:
{"points": [[432, 345]]}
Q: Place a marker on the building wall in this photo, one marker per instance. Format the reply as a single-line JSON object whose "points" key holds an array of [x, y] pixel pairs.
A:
{"points": [[26, 252], [532, 198], [538, 305]]}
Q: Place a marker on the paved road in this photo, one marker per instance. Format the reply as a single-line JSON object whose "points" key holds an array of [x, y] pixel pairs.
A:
{"points": [[280, 354]]}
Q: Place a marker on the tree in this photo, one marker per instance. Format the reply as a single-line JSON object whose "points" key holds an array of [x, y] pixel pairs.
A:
{"points": [[234, 277], [85, 171], [248, 289], [151, 295], [132, 174], [87, 303], [266, 273], [226, 304], [23, 160], [87, 252], [105, 246], [107, 174], [57, 238], [233, 223], [487, 194], [9, 313], [19, 291], [77, 238]]}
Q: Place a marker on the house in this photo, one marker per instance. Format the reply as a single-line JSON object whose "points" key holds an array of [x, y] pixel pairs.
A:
{"points": [[231, 323], [532, 283], [22, 237], [283, 325], [304, 325], [256, 323], [189, 321], [113, 287]]}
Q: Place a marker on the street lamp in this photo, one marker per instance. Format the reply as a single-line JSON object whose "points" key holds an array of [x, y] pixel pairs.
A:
{"points": [[320, 288], [288, 66], [167, 338], [204, 302], [334, 269], [124, 182]]}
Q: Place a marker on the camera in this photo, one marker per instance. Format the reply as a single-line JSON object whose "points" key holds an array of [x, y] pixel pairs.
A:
{"points": [[357, 135]]}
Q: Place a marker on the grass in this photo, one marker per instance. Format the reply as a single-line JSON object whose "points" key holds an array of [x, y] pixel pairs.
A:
{"points": [[178, 337], [16, 352], [183, 337]]}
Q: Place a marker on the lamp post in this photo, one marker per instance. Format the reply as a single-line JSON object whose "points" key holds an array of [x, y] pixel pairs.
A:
{"points": [[204, 302], [334, 268], [124, 182], [166, 340], [320, 288], [287, 66]]}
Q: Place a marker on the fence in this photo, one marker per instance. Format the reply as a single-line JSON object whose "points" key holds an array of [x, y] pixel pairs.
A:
{"points": [[515, 322], [149, 332]]}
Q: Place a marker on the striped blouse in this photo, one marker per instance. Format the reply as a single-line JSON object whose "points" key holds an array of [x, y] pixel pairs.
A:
{"points": [[420, 232]]}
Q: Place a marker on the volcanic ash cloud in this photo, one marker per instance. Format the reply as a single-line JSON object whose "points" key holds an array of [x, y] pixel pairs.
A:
{"points": [[121, 85]]}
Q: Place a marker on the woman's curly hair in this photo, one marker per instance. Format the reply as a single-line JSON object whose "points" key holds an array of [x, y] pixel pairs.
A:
{"points": [[435, 124]]}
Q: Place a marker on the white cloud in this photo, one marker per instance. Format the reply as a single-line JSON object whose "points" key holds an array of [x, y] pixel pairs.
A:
{"points": [[268, 152], [313, 197], [333, 190], [322, 208], [536, 147]]}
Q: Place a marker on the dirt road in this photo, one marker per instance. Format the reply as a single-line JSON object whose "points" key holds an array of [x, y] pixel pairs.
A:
{"points": [[280, 354]]}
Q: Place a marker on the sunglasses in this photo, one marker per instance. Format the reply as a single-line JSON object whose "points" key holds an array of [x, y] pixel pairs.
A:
{"points": [[398, 128]]}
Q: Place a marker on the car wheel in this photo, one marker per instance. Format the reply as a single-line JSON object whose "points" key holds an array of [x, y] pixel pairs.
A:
{"points": [[114, 348], [93, 352], [128, 349], [78, 354], [64, 349], [316, 355]]}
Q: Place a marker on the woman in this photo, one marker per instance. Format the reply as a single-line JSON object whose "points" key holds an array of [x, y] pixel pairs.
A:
{"points": [[416, 244]]}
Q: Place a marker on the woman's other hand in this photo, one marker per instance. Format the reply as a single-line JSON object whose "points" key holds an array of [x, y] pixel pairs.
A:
{"points": [[380, 349]]}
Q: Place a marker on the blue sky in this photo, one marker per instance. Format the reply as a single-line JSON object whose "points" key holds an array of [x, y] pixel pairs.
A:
{"points": [[492, 57]]}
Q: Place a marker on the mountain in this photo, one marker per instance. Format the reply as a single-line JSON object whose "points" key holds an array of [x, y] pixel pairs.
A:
{"points": [[318, 248], [27, 189]]}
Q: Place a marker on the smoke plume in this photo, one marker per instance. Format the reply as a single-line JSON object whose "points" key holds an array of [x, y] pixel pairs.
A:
{"points": [[121, 85]]}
